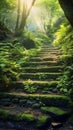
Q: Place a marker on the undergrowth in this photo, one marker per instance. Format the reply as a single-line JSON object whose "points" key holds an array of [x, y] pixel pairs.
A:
{"points": [[64, 40], [12, 56]]}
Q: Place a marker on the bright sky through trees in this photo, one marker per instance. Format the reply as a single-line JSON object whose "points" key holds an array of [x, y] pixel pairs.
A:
{"points": [[42, 13]]}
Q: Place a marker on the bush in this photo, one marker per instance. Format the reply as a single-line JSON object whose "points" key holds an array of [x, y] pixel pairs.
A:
{"points": [[12, 57], [29, 41], [8, 66], [65, 83], [64, 40]]}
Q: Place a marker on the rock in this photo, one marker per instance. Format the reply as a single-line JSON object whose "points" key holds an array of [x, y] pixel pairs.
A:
{"points": [[36, 105], [54, 90], [5, 100], [29, 103], [6, 103], [1, 124], [20, 90], [56, 124], [10, 124], [16, 100], [56, 113]]}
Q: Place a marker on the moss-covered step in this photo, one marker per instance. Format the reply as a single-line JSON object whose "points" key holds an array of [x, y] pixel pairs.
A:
{"points": [[56, 113], [40, 76], [43, 69], [34, 100], [49, 51], [28, 117], [41, 63], [7, 114], [48, 47], [55, 56], [31, 87], [42, 59], [44, 122]]}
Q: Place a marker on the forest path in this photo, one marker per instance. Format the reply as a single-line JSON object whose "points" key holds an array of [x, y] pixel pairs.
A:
{"points": [[36, 93], [40, 73]]}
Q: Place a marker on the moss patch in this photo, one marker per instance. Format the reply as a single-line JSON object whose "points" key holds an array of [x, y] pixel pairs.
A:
{"points": [[6, 114], [43, 120], [54, 110], [28, 117]]}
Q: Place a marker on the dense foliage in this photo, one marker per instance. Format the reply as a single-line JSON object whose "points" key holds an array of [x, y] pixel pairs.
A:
{"points": [[36, 64], [64, 36], [13, 55]]}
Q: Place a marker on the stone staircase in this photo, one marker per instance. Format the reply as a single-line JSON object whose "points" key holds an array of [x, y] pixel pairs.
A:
{"points": [[35, 91], [42, 71]]}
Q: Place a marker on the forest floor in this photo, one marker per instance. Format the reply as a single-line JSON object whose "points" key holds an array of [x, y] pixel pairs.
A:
{"points": [[36, 95]]}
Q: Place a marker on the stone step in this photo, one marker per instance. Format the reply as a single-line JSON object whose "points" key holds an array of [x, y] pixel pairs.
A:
{"points": [[41, 63], [30, 100], [43, 69], [53, 48], [42, 54], [41, 59], [40, 76], [44, 58], [30, 86], [50, 50], [33, 119]]}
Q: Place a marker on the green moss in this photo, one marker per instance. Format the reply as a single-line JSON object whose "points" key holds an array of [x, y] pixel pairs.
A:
{"points": [[6, 114], [38, 87], [43, 120], [54, 110], [28, 117]]}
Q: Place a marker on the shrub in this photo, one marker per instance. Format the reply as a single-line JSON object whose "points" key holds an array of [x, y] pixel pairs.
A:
{"points": [[65, 83]]}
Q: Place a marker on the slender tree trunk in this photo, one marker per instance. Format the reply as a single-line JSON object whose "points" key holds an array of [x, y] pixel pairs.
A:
{"points": [[25, 15], [18, 17], [33, 2], [23, 19], [67, 6]]}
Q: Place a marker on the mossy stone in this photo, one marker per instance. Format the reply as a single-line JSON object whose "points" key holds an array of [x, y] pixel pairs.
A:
{"points": [[56, 113], [43, 121]]}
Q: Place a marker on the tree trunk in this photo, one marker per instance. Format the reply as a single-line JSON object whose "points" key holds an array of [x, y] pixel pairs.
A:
{"points": [[67, 6], [18, 17], [25, 15]]}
